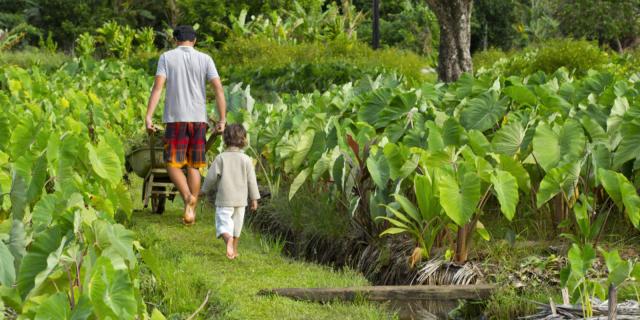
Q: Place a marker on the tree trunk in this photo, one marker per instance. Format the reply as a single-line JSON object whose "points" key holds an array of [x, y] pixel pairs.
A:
{"points": [[375, 24], [454, 17]]}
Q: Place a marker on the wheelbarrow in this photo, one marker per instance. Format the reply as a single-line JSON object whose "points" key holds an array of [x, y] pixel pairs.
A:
{"points": [[147, 162]]}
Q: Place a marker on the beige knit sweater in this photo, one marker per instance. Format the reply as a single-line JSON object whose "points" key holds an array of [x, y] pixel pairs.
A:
{"points": [[233, 176]]}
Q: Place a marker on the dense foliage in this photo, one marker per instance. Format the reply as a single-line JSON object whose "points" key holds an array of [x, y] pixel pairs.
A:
{"points": [[61, 165], [431, 160]]}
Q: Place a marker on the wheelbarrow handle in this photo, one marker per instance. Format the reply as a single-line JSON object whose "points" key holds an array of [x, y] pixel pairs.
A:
{"points": [[152, 150]]}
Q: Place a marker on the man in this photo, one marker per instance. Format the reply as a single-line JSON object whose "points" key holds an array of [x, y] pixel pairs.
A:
{"points": [[186, 72]]}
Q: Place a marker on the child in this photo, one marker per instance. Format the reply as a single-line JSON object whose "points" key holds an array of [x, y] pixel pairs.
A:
{"points": [[233, 177]]}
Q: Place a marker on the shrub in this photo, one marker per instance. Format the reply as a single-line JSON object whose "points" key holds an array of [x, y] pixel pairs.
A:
{"points": [[626, 64], [31, 57], [576, 55], [487, 58], [308, 66], [298, 77]]}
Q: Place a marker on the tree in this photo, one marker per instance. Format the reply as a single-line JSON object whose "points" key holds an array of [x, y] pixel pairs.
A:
{"points": [[454, 57], [492, 24], [612, 22]]}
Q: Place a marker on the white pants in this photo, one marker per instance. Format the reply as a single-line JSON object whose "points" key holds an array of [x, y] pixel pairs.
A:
{"points": [[229, 220]]}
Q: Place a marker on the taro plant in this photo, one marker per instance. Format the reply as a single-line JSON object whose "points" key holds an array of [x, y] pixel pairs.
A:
{"points": [[423, 223], [146, 38], [577, 277], [62, 254], [86, 45]]}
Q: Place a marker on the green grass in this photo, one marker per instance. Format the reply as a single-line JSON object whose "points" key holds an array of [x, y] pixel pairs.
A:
{"points": [[187, 262]]}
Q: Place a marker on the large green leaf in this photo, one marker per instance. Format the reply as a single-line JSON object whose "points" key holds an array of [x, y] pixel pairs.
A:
{"points": [[400, 160], [5, 131], [377, 101], [38, 178], [298, 181], [521, 94], [508, 140], [558, 180], [400, 104], [157, 315], [55, 307], [478, 143], [623, 194], [629, 147], [483, 112], [338, 172], [7, 269], [452, 132], [105, 162], [17, 242], [619, 270], [408, 207], [546, 146], [611, 183], [556, 146], [379, 170], [506, 188], [459, 197], [22, 135], [631, 202], [435, 142], [595, 131], [426, 195], [67, 157], [83, 309], [115, 238], [44, 210], [516, 169], [36, 265], [18, 195], [111, 292]]}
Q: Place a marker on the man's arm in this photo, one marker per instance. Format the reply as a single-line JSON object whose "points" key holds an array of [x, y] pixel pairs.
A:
{"points": [[156, 92], [221, 103]]}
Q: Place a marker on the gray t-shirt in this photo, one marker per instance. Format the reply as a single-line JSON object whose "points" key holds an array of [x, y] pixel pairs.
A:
{"points": [[187, 71]]}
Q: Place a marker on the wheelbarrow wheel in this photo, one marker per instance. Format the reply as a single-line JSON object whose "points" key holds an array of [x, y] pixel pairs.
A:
{"points": [[157, 204]]}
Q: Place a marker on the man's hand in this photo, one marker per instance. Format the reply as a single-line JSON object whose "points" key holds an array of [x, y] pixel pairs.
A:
{"points": [[254, 205], [220, 125], [150, 127]]}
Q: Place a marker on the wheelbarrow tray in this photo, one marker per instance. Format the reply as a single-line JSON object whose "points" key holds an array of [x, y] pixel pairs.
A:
{"points": [[139, 160]]}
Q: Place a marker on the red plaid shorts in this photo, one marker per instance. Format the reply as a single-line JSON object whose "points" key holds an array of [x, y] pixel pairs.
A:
{"points": [[185, 144]]}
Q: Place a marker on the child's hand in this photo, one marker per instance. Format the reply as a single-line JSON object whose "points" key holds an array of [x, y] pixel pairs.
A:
{"points": [[254, 205]]}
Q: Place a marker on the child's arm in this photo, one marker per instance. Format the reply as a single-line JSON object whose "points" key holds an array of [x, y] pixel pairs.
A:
{"points": [[254, 193], [211, 180]]}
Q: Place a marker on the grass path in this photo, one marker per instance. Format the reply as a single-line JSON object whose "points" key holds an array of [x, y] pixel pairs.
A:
{"points": [[187, 262]]}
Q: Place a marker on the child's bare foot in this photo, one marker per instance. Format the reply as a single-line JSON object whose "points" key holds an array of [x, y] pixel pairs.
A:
{"points": [[230, 253]]}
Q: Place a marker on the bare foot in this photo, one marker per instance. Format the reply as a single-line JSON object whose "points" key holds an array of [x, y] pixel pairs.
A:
{"points": [[230, 253], [190, 210]]}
